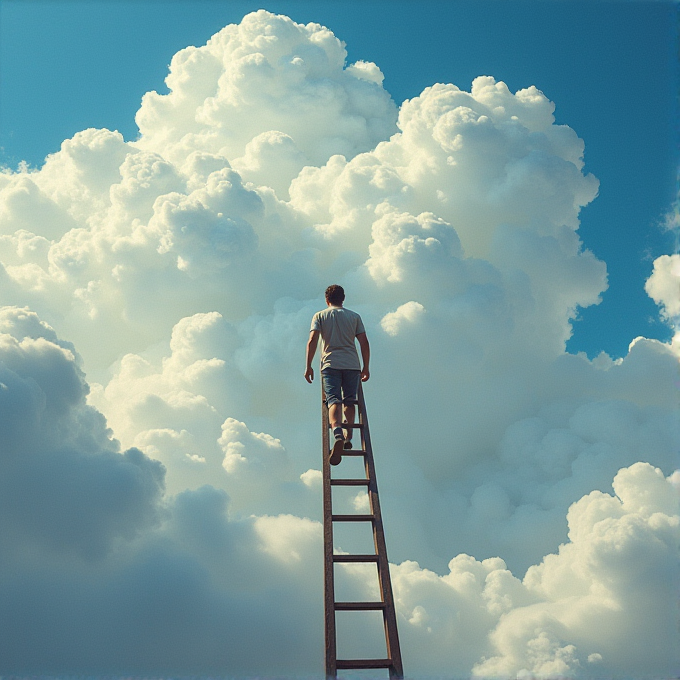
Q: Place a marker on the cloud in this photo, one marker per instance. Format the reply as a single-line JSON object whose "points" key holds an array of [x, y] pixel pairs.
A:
{"points": [[177, 410], [575, 613], [663, 286], [101, 569], [198, 584], [58, 456], [161, 496], [268, 90], [407, 313]]}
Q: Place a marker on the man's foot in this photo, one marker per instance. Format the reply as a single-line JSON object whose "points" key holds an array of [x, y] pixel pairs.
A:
{"points": [[336, 452], [348, 444]]}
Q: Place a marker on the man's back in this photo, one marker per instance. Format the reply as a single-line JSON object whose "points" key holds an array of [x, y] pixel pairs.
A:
{"points": [[338, 328]]}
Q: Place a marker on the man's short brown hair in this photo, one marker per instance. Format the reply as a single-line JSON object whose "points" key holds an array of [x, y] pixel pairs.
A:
{"points": [[335, 294]]}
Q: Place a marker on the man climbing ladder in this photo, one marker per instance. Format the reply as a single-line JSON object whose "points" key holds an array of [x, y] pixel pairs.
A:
{"points": [[341, 376], [340, 368]]}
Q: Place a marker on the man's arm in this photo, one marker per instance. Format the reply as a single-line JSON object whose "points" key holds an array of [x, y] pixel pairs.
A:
{"points": [[311, 351], [365, 356]]}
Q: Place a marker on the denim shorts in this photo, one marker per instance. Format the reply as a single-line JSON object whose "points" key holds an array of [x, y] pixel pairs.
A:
{"points": [[340, 385]]}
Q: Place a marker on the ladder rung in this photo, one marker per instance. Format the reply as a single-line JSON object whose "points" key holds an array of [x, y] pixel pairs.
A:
{"points": [[349, 482], [355, 558], [352, 518], [358, 606], [353, 452], [347, 664], [346, 426]]}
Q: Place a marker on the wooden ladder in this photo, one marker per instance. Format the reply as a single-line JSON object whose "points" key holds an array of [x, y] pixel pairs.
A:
{"points": [[379, 558]]}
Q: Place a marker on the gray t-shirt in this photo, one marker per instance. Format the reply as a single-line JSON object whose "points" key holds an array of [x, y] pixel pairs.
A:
{"points": [[338, 327]]}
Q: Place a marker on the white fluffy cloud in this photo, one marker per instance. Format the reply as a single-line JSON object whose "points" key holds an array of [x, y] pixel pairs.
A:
{"points": [[663, 285], [183, 269], [268, 92], [570, 613]]}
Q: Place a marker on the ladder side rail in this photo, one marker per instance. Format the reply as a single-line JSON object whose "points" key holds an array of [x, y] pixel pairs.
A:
{"points": [[329, 585], [389, 614]]}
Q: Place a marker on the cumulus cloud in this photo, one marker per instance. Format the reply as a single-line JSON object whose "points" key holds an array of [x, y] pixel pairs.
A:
{"points": [[573, 614], [620, 563], [164, 511], [268, 90], [58, 455], [407, 313], [663, 286], [176, 410], [95, 558]]}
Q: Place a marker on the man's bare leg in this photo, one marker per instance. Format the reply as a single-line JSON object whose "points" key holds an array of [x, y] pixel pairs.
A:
{"points": [[349, 419], [335, 415], [335, 421]]}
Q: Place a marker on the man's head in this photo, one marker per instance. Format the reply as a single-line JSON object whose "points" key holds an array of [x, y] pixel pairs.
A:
{"points": [[335, 295]]}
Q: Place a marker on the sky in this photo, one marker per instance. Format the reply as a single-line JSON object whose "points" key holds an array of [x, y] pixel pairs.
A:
{"points": [[495, 186]]}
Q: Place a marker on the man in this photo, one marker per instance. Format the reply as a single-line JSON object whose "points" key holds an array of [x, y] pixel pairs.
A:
{"points": [[340, 368]]}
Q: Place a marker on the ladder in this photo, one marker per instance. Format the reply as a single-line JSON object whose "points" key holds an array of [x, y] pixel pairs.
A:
{"points": [[379, 558]]}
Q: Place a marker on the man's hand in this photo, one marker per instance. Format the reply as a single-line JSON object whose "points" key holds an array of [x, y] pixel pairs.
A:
{"points": [[311, 351], [365, 356]]}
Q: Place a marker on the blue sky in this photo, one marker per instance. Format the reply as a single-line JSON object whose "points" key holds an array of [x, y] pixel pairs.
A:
{"points": [[610, 68]]}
